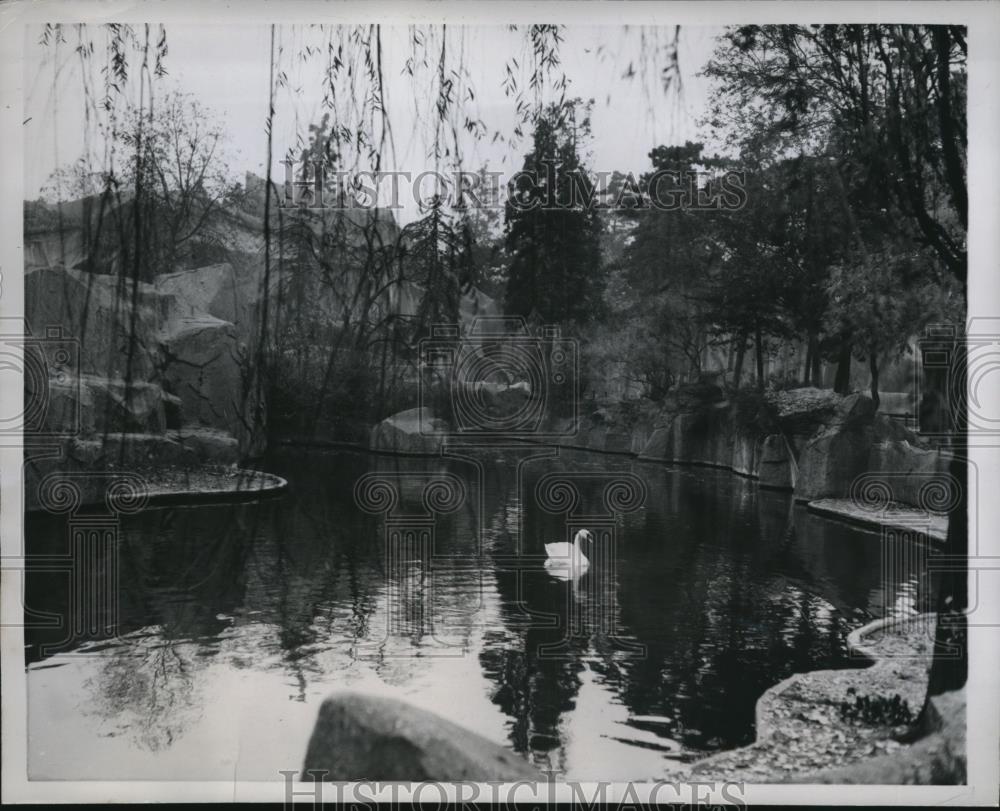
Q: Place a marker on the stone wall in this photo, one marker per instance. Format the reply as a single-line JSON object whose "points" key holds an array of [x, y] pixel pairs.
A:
{"points": [[816, 444], [813, 442]]}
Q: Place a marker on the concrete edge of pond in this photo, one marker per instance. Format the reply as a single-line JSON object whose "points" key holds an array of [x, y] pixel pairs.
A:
{"points": [[801, 730], [171, 486], [857, 640], [893, 516], [251, 484]]}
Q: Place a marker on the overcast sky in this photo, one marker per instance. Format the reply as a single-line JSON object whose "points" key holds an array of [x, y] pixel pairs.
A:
{"points": [[227, 69]]}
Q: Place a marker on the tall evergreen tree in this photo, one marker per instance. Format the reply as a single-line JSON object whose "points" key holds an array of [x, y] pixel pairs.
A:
{"points": [[435, 259], [552, 226]]}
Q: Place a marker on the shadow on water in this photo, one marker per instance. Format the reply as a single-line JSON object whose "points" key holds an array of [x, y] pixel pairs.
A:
{"points": [[427, 575]]}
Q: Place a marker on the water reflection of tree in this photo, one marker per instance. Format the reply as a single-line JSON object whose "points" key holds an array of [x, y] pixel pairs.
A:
{"points": [[183, 567], [536, 659], [313, 574], [533, 689], [181, 575], [729, 625], [151, 690], [323, 576], [718, 588]]}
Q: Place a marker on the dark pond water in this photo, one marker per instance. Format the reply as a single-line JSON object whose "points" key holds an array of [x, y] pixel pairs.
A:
{"points": [[234, 621]]}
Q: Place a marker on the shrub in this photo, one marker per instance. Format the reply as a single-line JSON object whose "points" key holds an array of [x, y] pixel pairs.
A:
{"points": [[876, 710]]}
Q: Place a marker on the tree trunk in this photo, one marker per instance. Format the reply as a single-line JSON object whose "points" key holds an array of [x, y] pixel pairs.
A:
{"points": [[949, 668], [808, 363], [873, 367], [954, 170], [759, 346], [741, 350], [950, 665], [842, 382]]}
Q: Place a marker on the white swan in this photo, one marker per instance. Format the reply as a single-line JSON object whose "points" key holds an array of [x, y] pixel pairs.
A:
{"points": [[566, 561]]}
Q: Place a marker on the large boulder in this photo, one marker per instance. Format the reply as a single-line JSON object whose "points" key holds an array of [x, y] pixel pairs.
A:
{"points": [[54, 247], [218, 290], [130, 452], [659, 445], [87, 405], [838, 452], [744, 452], [415, 430], [703, 436], [183, 365], [915, 476], [490, 405], [776, 467], [363, 737], [206, 366], [95, 311], [885, 427], [903, 403], [209, 445], [641, 433]]}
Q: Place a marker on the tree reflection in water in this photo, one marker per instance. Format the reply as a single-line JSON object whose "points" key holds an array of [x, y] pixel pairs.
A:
{"points": [[718, 590]]}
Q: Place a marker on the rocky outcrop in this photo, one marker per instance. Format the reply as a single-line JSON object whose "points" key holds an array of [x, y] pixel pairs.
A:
{"points": [[838, 452], [208, 445], [818, 444], [707, 434], [620, 428], [186, 367], [220, 291], [776, 467], [415, 431], [910, 474], [88, 405], [491, 405], [811, 441], [95, 312], [130, 451], [363, 737], [206, 366]]}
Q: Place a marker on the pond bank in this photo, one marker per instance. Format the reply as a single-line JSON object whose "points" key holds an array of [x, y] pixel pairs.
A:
{"points": [[804, 734], [832, 452], [900, 517]]}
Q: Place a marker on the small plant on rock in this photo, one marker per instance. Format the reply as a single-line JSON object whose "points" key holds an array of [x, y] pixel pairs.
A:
{"points": [[876, 710]]}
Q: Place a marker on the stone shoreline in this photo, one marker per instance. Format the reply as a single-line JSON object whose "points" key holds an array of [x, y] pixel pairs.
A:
{"points": [[814, 443], [892, 516], [803, 737]]}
